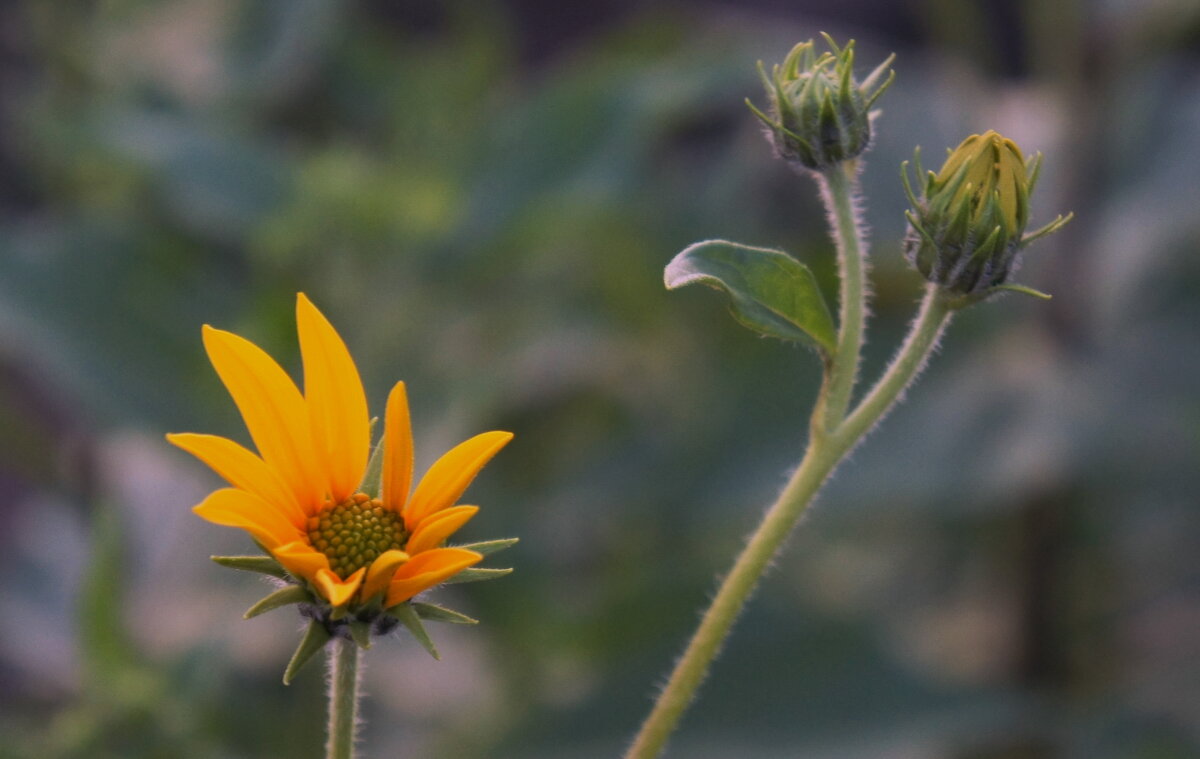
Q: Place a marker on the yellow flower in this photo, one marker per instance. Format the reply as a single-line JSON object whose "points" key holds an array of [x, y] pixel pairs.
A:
{"points": [[966, 230], [302, 497]]}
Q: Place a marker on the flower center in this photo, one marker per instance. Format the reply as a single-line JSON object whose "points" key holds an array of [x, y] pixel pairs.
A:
{"points": [[354, 532]]}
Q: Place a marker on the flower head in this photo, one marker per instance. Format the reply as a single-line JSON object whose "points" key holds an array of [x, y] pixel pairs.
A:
{"points": [[353, 540], [818, 114], [969, 224]]}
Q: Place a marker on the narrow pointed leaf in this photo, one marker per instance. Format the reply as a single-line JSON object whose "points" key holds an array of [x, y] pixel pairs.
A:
{"points": [[314, 640], [477, 574], [408, 617], [771, 292], [764, 118], [488, 547], [435, 613], [361, 633], [261, 564], [876, 74], [1024, 291], [290, 594], [1058, 223]]}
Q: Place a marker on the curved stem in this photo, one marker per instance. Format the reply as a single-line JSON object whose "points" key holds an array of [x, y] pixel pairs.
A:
{"points": [[838, 185], [343, 698], [821, 458], [926, 330], [732, 596]]}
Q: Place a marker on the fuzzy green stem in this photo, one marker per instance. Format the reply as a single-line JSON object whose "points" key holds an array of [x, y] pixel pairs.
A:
{"points": [[932, 318], [343, 698], [838, 185], [821, 458], [731, 597]]}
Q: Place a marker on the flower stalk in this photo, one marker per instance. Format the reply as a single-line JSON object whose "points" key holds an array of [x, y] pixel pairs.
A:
{"points": [[839, 184], [343, 698]]}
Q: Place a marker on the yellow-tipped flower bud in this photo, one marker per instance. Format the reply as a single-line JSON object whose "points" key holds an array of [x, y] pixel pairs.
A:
{"points": [[968, 226], [818, 114]]}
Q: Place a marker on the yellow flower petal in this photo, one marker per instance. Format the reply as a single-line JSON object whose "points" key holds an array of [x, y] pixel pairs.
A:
{"points": [[337, 404], [274, 412], [237, 508], [242, 469], [337, 590], [301, 559], [438, 526], [380, 572], [425, 570], [451, 474], [397, 449]]}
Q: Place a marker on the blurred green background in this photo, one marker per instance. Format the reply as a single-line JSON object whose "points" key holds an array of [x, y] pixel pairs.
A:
{"points": [[481, 196]]}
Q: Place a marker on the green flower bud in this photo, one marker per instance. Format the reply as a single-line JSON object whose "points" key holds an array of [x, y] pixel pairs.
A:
{"points": [[819, 115], [968, 226]]}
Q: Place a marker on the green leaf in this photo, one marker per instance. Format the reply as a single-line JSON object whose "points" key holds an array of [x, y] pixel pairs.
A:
{"points": [[772, 293], [487, 547], [477, 575], [314, 640], [289, 594], [262, 564], [435, 613], [408, 617]]}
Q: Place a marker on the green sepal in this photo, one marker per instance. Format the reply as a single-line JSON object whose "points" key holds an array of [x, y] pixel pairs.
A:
{"points": [[477, 574], [435, 613], [875, 76], [261, 564], [1023, 290], [1033, 166], [289, 594], [408, 617], [361, 633], [1059, 222], [488, 547], [771, 292], [776, 125], [374, 604], [315, 638], [908, 190], [372, 481]]}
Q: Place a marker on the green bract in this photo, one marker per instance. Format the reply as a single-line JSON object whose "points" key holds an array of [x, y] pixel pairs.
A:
{"points": [[968, 226], [818, 114]]}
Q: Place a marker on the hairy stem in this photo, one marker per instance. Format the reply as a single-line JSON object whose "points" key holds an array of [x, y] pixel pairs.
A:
{"points": [[922, 339], [838, 185], [343, 698], [821, 458], [731, 597]]}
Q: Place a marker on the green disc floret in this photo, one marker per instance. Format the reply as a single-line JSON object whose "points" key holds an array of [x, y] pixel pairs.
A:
{"points": [[354, 533]]}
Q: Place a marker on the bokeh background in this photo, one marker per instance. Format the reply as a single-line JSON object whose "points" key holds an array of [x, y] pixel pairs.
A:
{"points": [[481, 196]]}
